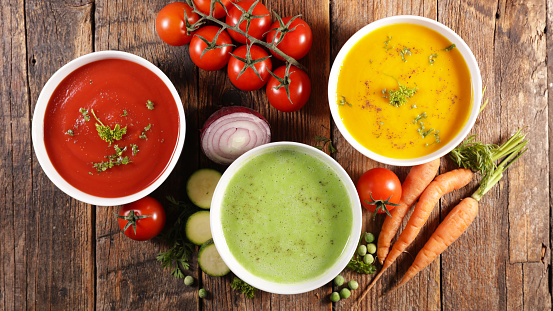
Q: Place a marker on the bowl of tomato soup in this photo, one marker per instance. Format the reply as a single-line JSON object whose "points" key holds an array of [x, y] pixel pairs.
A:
{"points": [[404, 90], [108, 128], [285, 218]]}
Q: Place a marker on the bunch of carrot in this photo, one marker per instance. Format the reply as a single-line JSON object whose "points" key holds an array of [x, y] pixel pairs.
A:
{"points": [[419, 184]]}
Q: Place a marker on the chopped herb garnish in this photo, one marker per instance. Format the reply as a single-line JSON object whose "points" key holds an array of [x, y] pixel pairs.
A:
{"points": [[69, 132], [90, 173], [343, 101], [134, 149], [124, 113], [150, 105], [399, 97], [432, 58], [143, 134], [241, 286], [419, 117], [413, 106], [449, 48], [424, 134], [404, 52], [106, 133], [85, 114], [326, 142], [386, 47], [370, 61], [115, 159]]}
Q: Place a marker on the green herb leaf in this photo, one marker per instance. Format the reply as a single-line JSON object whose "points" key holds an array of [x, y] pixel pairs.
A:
{"points": [[327, 143], [69, 132], [404, 52], [399, 97], [243, 287], [85, 114], [343, 101], [449, 48], [150, 105], [124, 113], [106, 133], [143, 134], [432, 58], [134, 149]]}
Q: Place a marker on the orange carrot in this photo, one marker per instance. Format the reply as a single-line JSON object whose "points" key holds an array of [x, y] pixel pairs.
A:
{"points": [[455, 223], [442, 185], [416, 181]]}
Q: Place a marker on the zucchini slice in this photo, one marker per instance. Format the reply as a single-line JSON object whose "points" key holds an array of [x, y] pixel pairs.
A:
{"points": [[198, 230], [201, 185], [209, 260]]}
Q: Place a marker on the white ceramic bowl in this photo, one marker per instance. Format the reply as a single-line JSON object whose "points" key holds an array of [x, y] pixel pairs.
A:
{"points": [[476, 83], [38, 128], [239, 270]]}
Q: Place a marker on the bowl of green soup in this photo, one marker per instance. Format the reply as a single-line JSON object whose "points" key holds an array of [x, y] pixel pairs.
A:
{"points": [[285, 218]]}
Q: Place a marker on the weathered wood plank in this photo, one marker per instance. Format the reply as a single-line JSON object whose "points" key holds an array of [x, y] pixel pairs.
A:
{"points": [[301, 126], [15, 156], [128, 274], [60, 263], [423, 292]]}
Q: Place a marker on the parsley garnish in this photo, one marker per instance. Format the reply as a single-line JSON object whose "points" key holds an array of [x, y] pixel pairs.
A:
{"points": [[106, 133], [241, 286], [343, 101], [404, 52], [358, 265], [150, 105], [449, 48], [115, 159], [399, 97], [143, 134], [85, 114], [69, 132], [134, 149], [327, 142], [432, 58], [124, 113], [386, 47]]}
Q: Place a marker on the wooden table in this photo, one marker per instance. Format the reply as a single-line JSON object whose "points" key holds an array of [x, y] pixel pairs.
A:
{"points": [[61, 254]]}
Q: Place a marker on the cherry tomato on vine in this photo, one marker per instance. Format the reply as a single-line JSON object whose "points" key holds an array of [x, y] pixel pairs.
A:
{"points": [[214, 58], [171, 25], [298, 84], [379, 190], [296, 42], [260, 20], [142, 220], [248, 80], [204, 6]]}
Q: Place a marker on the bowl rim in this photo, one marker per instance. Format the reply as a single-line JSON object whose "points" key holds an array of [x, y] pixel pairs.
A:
{"points": [[38, 128], [472, 64], [236, 267]]}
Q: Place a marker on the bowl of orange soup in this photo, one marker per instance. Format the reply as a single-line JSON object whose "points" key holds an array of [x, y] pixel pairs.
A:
{"points": [[404, 90], [108, 128]]}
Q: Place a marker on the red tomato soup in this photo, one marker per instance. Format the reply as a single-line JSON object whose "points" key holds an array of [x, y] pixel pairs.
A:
{"points": [[118, 92]]}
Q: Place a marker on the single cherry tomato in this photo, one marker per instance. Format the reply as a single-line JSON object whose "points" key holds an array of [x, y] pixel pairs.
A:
{"points": [[248, 80], [297, 37], [214, 58], [258, 25], [298, 84], [379, 190], [171, 25], [204, 7], [143, 219]]}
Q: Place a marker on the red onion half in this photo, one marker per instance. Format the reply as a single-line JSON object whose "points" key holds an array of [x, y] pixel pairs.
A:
{"points": [[231, 131]]}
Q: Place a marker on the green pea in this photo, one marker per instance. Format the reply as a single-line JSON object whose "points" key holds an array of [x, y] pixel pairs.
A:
{"points": [[345, 293], [362, 250], [369, 237], [339, 280], [202, 293], [353, 285], [334, 297], [368, 259], [371, 248], [188, 280]]}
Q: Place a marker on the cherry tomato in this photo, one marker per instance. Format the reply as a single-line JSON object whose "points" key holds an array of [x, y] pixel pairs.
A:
{"points": [[171, 26], [296, 43], [204, 6], [214, 59], [379, 190], [249, 81], [258, 26], [148, 215], [299, 85]]}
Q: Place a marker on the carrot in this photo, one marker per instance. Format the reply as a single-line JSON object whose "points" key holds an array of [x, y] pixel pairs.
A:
{"points": [[462, 215], [442, 185], [416, 181], [455, 223]]}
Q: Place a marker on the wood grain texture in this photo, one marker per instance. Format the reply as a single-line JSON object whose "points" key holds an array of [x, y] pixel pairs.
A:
{"points": [[58, 237], [128, 274], [15, 157]]}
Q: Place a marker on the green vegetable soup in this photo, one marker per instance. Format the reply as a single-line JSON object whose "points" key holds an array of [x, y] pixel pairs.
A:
{"points": [[286, 216]]}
